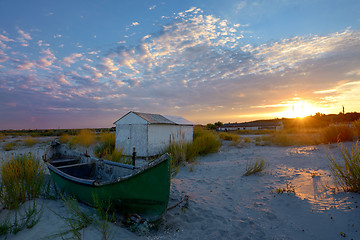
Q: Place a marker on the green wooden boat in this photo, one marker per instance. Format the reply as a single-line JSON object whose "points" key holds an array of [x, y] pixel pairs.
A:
{"points": [[130, 190]]}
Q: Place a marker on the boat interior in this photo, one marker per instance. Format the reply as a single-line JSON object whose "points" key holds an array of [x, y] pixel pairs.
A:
{"points": [[90, 170]]}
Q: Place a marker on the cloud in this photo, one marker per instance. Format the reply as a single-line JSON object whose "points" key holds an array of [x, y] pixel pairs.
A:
{"points": [[47, 59], [67, 61], [5, 38], [24, 35], [239, 6], [25, 65], [197, 65], [3, 56]]}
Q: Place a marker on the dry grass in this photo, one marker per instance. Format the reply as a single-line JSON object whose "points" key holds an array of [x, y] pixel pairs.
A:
{"points": [[21, 180], [347, 174], [85, 138]]}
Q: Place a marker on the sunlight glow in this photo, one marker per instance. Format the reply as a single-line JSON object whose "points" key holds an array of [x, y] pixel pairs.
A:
{"points": [[300, 109]]}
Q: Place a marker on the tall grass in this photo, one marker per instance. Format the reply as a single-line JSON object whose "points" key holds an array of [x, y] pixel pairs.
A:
{"points": [[106, 149], [347, 174], [106, 145], [85, 138], [204, 142], [21, 180]]}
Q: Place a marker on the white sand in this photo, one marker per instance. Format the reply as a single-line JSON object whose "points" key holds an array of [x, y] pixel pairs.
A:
{"points": [[224, 204]]}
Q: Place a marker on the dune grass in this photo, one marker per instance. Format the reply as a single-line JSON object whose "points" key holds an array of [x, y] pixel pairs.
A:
{"points": [[346, 175], [21, 180], [255, 167], [204, 142], [16, 221], [106, 145]]}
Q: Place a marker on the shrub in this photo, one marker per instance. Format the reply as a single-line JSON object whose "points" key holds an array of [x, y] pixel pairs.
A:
{"points": [[21, 180], [255, 167], [30, 141], [335, 134], [347, 175], [229, 136]]}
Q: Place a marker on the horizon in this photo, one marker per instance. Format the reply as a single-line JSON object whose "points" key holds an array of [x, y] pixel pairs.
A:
{"points": [[69, 65]]}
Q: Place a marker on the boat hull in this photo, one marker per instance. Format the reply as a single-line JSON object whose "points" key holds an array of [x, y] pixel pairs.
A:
{"points": [[145, 193]]}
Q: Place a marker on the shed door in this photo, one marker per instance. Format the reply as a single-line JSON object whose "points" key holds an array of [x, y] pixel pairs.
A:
{"points": [[123, 138]]}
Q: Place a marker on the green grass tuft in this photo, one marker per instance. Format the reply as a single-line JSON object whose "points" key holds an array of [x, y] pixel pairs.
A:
{"points": [[255, 167], [21, 180], [347, 174]]}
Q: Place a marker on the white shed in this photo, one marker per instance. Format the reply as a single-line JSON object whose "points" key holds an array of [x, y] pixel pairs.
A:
{"points": [[150, 134]]}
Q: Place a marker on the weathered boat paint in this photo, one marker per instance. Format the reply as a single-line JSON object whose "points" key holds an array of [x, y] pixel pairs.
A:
{"points": [[144, 191]]}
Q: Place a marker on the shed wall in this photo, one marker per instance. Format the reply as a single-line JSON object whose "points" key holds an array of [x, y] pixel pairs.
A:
{"points": [[132, 135], [161, 135]]}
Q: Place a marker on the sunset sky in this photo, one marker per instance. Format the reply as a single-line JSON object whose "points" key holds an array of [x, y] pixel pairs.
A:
{"points": [[83, 64]]}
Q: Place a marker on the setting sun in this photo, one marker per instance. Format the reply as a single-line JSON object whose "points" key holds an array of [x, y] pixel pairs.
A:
{"points": [[300, 109]]}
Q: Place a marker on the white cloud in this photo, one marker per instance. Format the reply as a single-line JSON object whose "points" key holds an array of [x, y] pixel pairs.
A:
{"points": [[24, 35], [67, 61]]}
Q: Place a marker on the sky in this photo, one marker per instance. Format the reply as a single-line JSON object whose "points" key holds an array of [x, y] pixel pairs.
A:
{"points": [[84, 64]]}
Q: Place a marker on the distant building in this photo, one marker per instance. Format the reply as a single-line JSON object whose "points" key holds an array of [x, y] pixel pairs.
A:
{"points": [[150, 134], [254, 125]]}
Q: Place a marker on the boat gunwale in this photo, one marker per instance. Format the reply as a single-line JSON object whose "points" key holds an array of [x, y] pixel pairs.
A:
{"points": [[97, 183]]}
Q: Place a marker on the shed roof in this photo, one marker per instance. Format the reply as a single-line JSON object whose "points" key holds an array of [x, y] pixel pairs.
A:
{"points": [[160, 119]]}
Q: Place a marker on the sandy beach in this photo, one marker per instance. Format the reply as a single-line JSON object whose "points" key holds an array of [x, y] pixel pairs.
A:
{"points": [[224, 204]]}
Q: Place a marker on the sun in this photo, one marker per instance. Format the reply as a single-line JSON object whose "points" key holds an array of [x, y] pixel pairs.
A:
{"points": [[299, 109]]}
